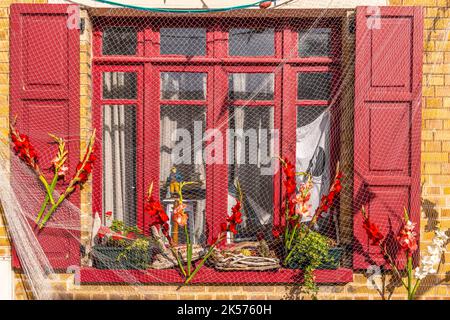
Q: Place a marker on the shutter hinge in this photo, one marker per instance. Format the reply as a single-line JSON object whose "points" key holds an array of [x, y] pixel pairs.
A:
{"points": [[82, 25], [351, 24], [82, 250]]}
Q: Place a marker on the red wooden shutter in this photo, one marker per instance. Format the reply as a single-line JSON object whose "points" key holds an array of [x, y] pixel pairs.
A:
{"points": [[44, 94], [387, 122]]}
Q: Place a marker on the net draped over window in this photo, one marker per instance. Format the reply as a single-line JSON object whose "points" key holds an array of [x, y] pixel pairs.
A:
{"points": [[160, 90]]}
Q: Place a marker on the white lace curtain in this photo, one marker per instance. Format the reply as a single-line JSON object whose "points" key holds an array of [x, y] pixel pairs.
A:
{"points": [[119, 162]]}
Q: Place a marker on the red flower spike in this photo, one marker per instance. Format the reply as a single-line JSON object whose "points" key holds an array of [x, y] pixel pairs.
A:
{"points": [[373, 233], [407, 238], [276, 232]]}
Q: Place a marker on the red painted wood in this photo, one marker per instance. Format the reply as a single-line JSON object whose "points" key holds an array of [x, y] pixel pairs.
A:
{"points": [[45, 95], [218, 64], [295, 65], [98, 103], [210, 275], [387, 124]]}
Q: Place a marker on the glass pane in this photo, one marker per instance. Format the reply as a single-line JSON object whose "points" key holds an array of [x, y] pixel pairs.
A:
{"points": [[183, 86], [314, 42], [313, 150], [183, 41], [251, 156], [251, 86], [119, 85], [119, 162], [181, 154], [119, 41], [251, 42], [314, 86]]}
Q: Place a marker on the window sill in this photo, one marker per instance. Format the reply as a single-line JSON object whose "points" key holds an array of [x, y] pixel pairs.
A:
{"points": [[210, 276]]}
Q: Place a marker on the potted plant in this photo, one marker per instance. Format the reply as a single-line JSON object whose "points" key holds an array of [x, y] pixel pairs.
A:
{"points": [[121, 247], [316, 250]]}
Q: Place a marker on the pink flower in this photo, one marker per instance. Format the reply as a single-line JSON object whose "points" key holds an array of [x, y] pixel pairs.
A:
{"points": [[63, 171], [179, 215], [407, 238]]}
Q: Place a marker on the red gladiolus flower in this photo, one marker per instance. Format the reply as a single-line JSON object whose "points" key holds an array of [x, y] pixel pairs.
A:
{"points": [[154, 209], [86, 169], [327, 200], [407, 238], [23, 148], [276, 232], [374, 234], [235, 218], [179, 215]]}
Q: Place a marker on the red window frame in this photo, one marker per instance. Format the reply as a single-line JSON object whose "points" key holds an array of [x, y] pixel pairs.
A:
{"points": [[217, 63], [99, 102]]}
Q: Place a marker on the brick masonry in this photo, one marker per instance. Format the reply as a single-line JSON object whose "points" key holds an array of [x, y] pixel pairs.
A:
{"points": [[435, 175]]}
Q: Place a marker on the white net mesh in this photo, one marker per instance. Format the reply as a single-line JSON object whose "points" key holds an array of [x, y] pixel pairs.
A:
{"points": [[202, 107]]}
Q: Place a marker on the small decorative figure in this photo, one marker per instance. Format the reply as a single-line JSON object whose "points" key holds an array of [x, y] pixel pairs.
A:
{"points": [[173, 181]]}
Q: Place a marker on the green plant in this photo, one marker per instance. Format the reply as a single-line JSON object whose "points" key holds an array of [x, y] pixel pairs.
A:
{"points": [[120, 227], [311, 251], [296, 207], [136, 251]]}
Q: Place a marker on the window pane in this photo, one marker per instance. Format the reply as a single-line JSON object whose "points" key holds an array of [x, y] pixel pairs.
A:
{"points": [[119, 162], [181, 149], [183, 41], [251, 156], [251, 42], [251, 86], [314, 42], [314, 86], [119, 85], [313, 150], [119, 41], [183, 86]]}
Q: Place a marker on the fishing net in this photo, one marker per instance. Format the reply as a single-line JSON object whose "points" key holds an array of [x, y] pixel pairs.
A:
{"points": [[202, 105]]}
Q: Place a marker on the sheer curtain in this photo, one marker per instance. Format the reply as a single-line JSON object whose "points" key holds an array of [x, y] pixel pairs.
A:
{"points": [[313, 150], [186, 119], [119, 162], [251, 151]]}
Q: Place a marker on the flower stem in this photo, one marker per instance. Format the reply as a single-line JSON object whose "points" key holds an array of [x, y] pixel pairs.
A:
{"points": [[47, 198], [51, 211], [188, 250], [180, 264], [410, 288], [208, 254], [413, 292], [47, 188]]}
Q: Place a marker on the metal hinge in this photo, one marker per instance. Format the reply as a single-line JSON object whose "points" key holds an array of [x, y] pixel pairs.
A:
{"points": [[351, 24]]}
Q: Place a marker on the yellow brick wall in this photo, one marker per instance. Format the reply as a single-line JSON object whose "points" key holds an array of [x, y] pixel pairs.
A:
{"points": [[435, 176]]}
